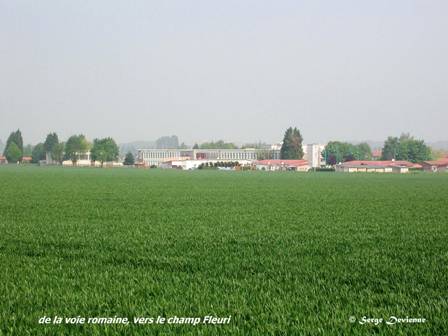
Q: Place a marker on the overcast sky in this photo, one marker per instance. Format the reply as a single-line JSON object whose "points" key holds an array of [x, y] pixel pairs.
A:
{"points": [[235, 70]]}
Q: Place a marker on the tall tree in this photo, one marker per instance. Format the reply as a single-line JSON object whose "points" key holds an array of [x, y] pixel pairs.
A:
{"points": [[76, 145], [335, 152], [16, 139], [57, 153], [390, 149], [13, 153], [292, 145], [50, 145], [407, 148], [38, 153], [104, 150], [364, 151], [51, 141], [129, 159]]}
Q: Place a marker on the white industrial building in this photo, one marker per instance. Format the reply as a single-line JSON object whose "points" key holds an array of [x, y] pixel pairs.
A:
{"points": [[156, 157]]}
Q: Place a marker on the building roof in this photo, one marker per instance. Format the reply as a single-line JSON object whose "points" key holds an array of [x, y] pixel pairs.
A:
{"points": [[372, 166], [27, 158], [287, 163], [439, 163], [391, 163]]}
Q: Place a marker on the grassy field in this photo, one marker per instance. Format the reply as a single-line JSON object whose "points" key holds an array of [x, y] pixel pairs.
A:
{"points": [[281, 253]]}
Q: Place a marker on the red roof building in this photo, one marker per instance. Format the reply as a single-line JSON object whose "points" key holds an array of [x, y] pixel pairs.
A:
{"points": [[436, 166], [3, 160], [377, 166], [390, 163]]}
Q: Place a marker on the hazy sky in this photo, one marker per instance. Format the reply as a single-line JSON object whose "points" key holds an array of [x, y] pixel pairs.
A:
{"points": [[233, 69]]}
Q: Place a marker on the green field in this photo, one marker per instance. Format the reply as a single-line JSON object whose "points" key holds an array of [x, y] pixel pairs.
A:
{"points": [[281, 253]]}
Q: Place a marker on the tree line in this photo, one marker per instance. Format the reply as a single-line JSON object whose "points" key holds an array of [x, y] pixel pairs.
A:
{"points": [[404, 147], [103, 150], [54, 151]]}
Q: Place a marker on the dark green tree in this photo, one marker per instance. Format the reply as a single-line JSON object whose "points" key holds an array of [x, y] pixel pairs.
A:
{"points": [[104, 150], [390, 149], [76, 145], [364, 152], [406, 148], [129, 159], [51, 145], [13, 153], [196, 146], [292, 145], [337, 151], [38, 153], [14, 138], [51, 141], [57, 153]]}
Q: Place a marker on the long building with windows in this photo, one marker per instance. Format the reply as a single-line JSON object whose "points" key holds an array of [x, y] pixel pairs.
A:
{"points": [[156, 157]]}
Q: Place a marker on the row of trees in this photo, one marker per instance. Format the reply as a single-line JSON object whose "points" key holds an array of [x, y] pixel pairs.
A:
{"points": [[337, 151], [404, 147], [106, 149], [103, 150], [220, 144], [54, 151]]}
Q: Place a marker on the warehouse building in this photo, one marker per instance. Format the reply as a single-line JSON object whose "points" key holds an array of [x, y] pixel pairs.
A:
{"points": [[156, 157], [436, 166], [376, 166]]}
